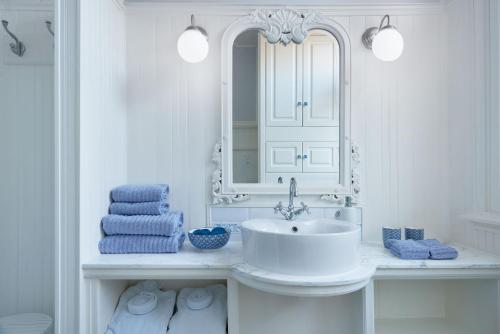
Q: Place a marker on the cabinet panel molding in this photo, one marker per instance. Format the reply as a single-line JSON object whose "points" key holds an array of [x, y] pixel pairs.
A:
{"points": [[283, 157], [320, 81], [321, 157]]}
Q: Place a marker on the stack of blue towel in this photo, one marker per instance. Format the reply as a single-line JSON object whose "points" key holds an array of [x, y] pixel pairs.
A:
{"points": [[140, 221], [422, 249]]}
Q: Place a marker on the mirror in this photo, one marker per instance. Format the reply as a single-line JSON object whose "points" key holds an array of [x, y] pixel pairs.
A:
{"points": [[285, 107], [286, 110]]}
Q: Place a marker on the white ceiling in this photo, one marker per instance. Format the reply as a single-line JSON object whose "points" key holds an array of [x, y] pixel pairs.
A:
{"points": [[294, 2]]}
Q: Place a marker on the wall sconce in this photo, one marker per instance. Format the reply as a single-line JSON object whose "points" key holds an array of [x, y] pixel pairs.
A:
{"points": [[386, 42], [192, 44]]}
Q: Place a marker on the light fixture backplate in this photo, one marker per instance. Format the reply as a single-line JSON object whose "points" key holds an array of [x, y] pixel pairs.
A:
{"points": [[368, 36]]}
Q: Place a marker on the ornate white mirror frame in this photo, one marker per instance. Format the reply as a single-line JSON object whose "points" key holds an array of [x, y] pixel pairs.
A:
{"points": [[283, 26]]}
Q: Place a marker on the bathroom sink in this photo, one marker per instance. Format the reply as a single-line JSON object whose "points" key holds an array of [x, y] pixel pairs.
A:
{"points": [[301, 247]]}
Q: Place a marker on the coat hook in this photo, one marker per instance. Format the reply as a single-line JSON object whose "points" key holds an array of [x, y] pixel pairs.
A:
{"points": [[17, 46], [49, 27]]}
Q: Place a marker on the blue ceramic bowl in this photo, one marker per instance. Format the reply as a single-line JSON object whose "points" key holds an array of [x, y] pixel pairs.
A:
{"points": [[205, 239]]}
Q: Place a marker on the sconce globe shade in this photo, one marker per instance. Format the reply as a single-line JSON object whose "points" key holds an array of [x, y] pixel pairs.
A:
{"points": [[192, 46], [388, 44]]}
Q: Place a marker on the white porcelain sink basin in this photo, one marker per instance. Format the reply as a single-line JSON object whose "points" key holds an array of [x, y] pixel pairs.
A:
{"points": [[301, 247]]}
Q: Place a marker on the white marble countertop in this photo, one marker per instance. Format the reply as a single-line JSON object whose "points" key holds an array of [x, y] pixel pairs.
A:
{"points": [[225, 263], [468, 258], [188, 257], [229, 256]]}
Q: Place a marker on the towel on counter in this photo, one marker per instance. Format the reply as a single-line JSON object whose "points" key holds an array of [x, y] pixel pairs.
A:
{"points": [[206, 318], [152, 322], [147, 244], [165, 225], [143, 208], [388, 243], [409, 250], [438, 250], [138, 193]]}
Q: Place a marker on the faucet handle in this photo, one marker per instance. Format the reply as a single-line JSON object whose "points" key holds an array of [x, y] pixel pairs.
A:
{"points": [[278, 207], [305, 208]]}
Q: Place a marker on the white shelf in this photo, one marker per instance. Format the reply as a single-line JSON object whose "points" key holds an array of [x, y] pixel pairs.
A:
{"points": [[487, 218], [436, 306], [417, 326]]}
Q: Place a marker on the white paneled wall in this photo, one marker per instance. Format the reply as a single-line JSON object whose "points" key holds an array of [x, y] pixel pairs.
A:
{"points": [[27, 164], [103, 118], [468, 73], [26, 4], [398, 110], [494, 117]]}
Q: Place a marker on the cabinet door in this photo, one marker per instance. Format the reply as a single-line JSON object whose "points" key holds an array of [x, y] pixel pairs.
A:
{"points": [[320, 80], [283, 157], [283, 84], [321, 157]]}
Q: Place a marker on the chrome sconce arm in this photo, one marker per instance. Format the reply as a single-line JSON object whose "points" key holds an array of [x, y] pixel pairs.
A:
{"points": [[17, 46], [368, 35]]}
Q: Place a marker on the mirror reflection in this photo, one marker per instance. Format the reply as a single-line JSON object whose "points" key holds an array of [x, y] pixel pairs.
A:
{"points": [[286, 110]]}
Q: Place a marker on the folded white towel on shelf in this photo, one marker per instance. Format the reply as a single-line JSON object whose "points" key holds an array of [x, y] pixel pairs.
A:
{"points": [[200, 311], [143, 308]]}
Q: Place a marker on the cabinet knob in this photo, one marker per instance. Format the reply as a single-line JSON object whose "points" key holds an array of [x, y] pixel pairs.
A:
{"points": [[299, 156], [306, 104], [299, 104], [305, 156]]}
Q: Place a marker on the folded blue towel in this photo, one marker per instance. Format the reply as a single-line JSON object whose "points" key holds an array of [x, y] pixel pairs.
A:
{"points": [[438, 250], [147, 244], [212, 231], [409, 250], [388, 242], [164, 225], [138, 193], [144, 208]]}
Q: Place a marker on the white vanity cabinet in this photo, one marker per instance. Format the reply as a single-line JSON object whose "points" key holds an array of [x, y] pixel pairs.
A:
{"points": [[402, 297], [302, 157], [283, 157], [299, 110], [320, 157], [436, 306], [281, 80], [267, 313], [298, 82], [320, 98], [103, 296]]}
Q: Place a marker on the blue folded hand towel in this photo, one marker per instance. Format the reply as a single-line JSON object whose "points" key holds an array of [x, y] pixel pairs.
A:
{"points": [[438, 250], [144, 208], [146, 244], [164, 225], [138, 193], [409, 250]]}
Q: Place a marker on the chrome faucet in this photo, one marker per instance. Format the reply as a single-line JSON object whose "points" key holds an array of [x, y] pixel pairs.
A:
{"points": [[291, 212]]}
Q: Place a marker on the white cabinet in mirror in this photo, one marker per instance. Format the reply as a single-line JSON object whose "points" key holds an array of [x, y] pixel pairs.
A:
{"points": [[286, 108]]}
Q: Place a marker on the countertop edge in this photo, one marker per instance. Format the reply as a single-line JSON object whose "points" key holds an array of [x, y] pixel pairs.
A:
{"points": [[190, 263]]}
